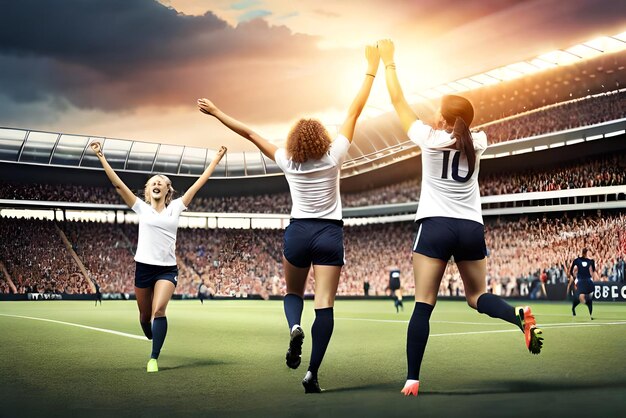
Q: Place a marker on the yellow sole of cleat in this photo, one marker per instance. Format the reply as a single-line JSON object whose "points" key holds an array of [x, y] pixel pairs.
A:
{"points": [[152, 366], [536, 341]]}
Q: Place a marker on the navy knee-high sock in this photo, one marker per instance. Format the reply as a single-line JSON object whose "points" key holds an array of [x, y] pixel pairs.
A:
{"points": [[147, 329], [159, 331], [293, 305], [321, 331], [417, 337], [496, 307], [575, 303]]}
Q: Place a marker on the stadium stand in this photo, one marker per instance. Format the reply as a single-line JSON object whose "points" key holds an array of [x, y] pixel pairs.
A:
{"points": [[602, 170], [37, 259], [559, 117], [242, 262]]}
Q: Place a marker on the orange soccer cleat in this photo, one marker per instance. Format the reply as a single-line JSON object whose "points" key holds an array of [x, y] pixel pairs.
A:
{"points": [[528, 325], [411, 387]]}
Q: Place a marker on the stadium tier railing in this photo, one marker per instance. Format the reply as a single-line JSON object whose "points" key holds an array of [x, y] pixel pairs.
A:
{"points": [[590, 198]]}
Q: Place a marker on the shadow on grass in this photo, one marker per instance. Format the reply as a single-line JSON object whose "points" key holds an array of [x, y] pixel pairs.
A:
{"points": [[497, 387], [518, 386], [377, 386], [186, 363]]}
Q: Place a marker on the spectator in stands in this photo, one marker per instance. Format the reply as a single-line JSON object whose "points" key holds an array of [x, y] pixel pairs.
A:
{"points": [[156, 272]]}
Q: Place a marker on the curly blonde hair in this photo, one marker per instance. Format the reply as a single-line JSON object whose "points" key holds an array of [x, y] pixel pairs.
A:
{"points": [[170, 190], [308, 139]]}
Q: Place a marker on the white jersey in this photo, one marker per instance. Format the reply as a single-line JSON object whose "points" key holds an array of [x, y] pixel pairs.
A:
{"points": [[449, 188], [314, 184], [157, 232]]}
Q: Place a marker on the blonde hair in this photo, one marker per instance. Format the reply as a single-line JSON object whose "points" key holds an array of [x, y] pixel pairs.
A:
{"points": [[308, 139], [170, 189]]}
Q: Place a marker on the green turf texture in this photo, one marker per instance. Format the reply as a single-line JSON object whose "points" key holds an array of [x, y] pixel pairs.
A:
{"points": [[227, 359]]}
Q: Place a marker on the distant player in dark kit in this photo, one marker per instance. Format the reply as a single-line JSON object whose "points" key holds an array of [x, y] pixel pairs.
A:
{"points": [[581, 280], [201, 290], [395, 289], [98, 295]]}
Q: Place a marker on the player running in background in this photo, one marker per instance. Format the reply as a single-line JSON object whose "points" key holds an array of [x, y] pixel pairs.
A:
{"points": [[581, 280], [156, 273], [395, 288], [98, 295], [449, 218], [311, 162]]}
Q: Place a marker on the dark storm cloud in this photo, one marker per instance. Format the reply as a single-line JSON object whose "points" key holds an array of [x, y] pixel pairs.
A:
{"points": [[119, 54], [110, 35]]}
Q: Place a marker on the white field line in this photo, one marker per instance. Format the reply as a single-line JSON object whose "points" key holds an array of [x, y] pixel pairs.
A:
{"points": [[138, 337], [554, 325], [108, 331]]}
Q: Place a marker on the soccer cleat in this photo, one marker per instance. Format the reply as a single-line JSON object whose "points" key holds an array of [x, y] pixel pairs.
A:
{"points": [[152, 367], [310, 383], [411, 388], [294, 353], [528, 325]]}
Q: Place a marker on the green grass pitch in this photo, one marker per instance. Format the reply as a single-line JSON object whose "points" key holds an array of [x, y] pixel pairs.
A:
{"points": [[226, 359]]}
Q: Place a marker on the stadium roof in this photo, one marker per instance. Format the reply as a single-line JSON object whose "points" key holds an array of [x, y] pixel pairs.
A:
{"points": [[593, 67]]}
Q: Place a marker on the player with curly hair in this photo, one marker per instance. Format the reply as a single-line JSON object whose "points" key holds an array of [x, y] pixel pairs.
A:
{"points": [[311, 162]]}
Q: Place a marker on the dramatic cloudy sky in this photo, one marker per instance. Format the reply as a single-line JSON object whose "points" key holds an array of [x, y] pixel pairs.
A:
{"points": [[134, 68]]}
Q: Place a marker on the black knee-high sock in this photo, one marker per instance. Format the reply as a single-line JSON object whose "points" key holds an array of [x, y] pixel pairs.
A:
{"points": [[321, 331], [575, 303], [159, 331], [496, 307], [417, 337], [293, 305], [147, 329]]}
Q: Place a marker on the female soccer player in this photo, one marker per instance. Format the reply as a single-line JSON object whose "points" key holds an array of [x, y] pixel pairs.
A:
{"points": [[156, 272], [311, 163], [581, 277], [449, 218]]}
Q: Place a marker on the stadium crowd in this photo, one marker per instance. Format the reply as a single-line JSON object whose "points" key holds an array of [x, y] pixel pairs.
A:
{"points": [[242, 262], [601, 171], [598, 171], [574, 114], [37, 259]]}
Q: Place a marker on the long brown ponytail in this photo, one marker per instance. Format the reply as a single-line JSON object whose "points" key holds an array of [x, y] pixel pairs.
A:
{"points": [[464, 141], [459, 113]]}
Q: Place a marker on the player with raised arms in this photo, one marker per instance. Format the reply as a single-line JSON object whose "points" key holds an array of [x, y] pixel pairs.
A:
{"points": [[311, 162], [156, 273], [449, 218]]}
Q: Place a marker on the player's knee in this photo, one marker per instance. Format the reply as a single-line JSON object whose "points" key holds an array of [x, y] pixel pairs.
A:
{"points": [[472, 301], [324, 301], [144, 317], [158, 312]]}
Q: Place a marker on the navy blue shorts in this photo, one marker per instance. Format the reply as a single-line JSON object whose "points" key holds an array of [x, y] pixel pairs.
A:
{"points": [[584, 287], [146, 275], [442, 238], [314, 241]]}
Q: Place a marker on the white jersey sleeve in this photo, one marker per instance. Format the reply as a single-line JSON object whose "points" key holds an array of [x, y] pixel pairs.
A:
{"points": [[339, 149], [140, 206]]}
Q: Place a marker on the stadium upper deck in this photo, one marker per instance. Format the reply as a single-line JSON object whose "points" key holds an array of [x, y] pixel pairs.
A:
{"points": [[587, 69]]}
